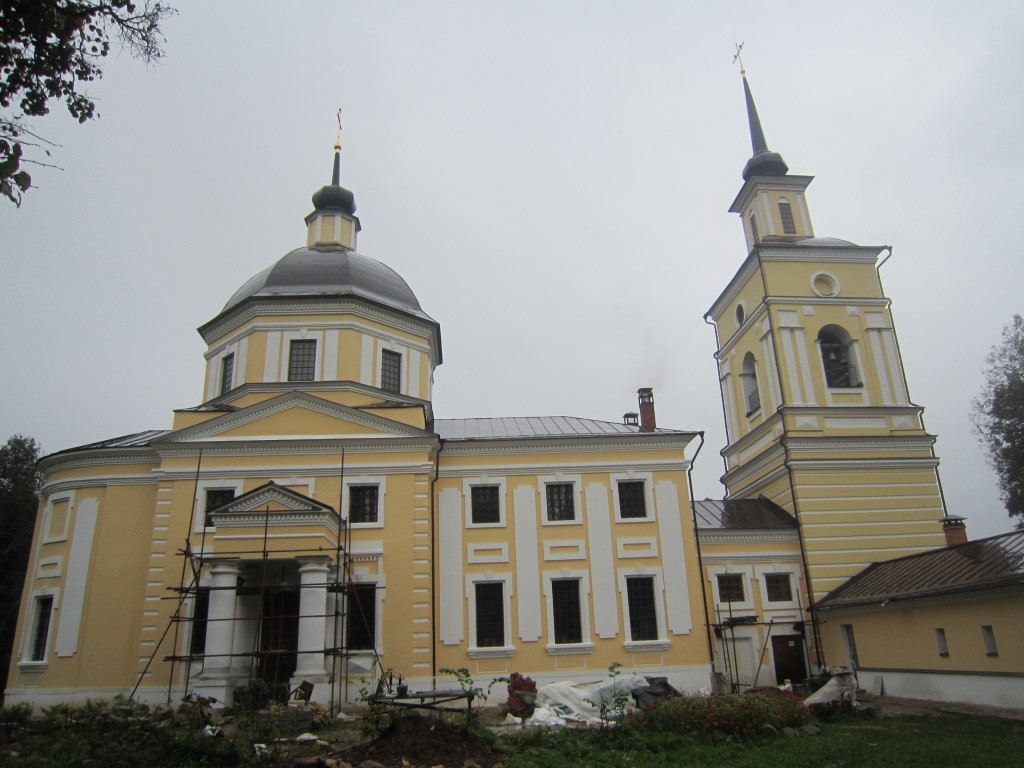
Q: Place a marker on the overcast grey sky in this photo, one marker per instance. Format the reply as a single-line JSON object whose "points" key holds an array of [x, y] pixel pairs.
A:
{"points": [[551, 178]]}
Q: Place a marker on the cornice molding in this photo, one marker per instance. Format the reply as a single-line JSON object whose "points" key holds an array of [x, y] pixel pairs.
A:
{"points": [[91, 457], [426, 468], [256, 307], [745, 537], [521, 470], [839, 464], [567, 444], [97, 482], [340, 385], [834, 444]]}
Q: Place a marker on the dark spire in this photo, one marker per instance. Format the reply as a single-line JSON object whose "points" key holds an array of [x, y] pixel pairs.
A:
{"points": [[763, 162], [335, 197]]}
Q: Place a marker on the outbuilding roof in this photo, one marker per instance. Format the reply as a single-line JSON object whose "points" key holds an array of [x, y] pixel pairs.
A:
{"points": [[741, 515], [510, 427], [997, 561]]}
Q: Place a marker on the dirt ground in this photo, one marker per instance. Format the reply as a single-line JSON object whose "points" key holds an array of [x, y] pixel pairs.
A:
{"points": [[897, 706]]}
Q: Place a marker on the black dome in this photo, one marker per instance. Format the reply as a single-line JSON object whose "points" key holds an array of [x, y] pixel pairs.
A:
{"points": [[334, 198], [338, 272]]}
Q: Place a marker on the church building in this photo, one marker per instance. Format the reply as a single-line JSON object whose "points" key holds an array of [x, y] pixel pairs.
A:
{"points": [[312, 520]]}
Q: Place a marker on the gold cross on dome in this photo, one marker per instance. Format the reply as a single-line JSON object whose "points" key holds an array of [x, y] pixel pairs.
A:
{"points": [[337, 140], [737, 57]]}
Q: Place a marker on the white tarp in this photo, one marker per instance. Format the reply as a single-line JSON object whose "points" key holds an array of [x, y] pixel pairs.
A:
{"points": [[560, 702], [841, 687]]}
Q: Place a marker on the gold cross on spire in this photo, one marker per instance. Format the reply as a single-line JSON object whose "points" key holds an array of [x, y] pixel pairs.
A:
{"points": [[737, 57], [337, 140]]}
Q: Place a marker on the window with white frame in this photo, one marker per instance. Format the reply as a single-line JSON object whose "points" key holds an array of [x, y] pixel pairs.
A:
{"points": [[730, 588], [302, 360], [641, 597], [489, 597], [362, 500], [485, 504], [390, 371], [632, 499], [38, 641], [215, 499], [566, 611], [227, 372], [560, 499], [361, 616], [778, 587], [363, 504], [786, 214]]}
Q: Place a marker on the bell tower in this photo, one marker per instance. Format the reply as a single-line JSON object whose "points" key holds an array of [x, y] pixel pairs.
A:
{"points": [[818, 414]]}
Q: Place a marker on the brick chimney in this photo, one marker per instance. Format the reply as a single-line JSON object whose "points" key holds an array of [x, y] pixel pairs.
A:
{"points": [[647, 420], [955, 530]]}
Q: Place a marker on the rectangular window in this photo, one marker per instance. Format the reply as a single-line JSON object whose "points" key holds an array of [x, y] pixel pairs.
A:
{"points": [[362, 503], [215, 499], [565, 609], [486, 504], [643, 616], [361, 633], [490, 614], [302, 360], [730, 587], [990, 640], [227, 373], [41, 628], [560, 499], [390, 371], [200, 617], [940, 640], [786, 213], [632, 499], [778, 587]]}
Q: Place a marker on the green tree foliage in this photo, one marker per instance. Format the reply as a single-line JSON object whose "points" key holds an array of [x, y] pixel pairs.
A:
{"points": [[19, 483], [48, 50], [998, 416]]}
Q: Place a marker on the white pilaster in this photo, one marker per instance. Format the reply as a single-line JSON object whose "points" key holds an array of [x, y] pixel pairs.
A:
{"points": [[313, 573]]}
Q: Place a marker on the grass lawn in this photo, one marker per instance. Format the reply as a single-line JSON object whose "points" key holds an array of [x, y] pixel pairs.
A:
{"points": [[931, 741]]}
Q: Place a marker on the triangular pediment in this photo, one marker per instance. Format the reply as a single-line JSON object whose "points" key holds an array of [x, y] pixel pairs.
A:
{"points": [[274, 505], [296, 416]]}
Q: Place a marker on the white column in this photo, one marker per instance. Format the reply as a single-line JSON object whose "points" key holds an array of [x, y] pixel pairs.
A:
{"points": [[220, 627], [313, 573]]}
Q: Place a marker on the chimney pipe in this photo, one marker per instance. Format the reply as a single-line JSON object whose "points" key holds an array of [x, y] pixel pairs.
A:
{"points": [[955, 530], [631, 419], [647, 421]]}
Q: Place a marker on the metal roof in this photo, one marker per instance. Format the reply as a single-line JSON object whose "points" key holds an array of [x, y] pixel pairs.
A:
{"points": [[315, 272], [134, 440], [512, 427], [983, 564], [741, 515]]}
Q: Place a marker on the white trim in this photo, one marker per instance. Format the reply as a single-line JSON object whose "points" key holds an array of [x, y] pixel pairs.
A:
{"points": [[50, 567], [489, 652], [650, 542], [575, 550], [79, 558], [331, 350], [582, 577], [450, 566], [674, 559], [272, 363], [632, 476], [524, 516], [413, 357], [827, 276], [478, 553], [467, 495], [381, 481], [602, 561], [561, 478], [366, 359]]}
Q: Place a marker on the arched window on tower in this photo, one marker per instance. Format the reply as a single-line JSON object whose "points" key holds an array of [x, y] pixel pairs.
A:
{"points": [[748, 382], [838, 358]]}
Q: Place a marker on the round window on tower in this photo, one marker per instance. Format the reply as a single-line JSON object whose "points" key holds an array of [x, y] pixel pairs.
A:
{"points": [[741, 314], [825, 285]]}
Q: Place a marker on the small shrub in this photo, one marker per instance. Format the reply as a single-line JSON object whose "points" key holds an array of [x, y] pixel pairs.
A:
{"points": [[733, 714]]}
